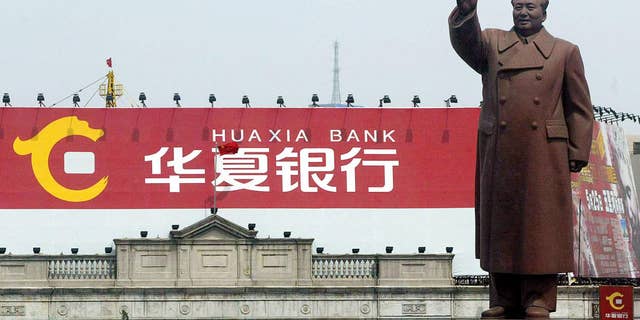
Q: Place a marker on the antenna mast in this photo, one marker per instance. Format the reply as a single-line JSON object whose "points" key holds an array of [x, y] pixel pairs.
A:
{"points": [[335, 95]]}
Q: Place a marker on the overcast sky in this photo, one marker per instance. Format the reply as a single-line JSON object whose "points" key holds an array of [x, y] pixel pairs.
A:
{"points": [[279, 47]]}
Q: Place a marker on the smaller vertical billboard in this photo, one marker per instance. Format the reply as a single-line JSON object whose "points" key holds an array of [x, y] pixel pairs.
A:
{"points": [[606, 219]]}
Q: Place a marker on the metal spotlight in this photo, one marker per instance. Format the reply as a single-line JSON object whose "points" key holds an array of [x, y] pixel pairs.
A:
{"points": [[245, 101], [350, 100], [40, 99], [6, 99], [142, 97], [449, 249], [212, 99], [76, 100], [176, 98], [315, 99], [452, 99], [280, 102], [384, 99], [416, 101]]}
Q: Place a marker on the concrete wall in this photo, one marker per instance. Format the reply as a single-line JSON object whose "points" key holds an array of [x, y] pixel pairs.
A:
{"points": [[457, 302]]}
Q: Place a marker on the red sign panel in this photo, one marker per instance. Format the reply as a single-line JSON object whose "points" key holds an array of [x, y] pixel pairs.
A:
{"points": [[287, 158], [616, 302]]}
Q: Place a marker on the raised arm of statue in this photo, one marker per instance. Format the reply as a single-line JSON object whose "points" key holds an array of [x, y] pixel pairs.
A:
{"points": [[466, 36], [466, 6]]}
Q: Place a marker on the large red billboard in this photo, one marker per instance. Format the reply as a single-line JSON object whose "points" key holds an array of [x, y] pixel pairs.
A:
{"points": [[288, 158]]}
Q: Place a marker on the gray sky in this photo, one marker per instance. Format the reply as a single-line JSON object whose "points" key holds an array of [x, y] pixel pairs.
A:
{"points": [[279, 47]]}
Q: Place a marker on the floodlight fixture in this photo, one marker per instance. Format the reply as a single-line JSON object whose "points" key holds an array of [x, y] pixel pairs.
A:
{"points": [[212, 99], [40, 99], [142, 97], [280, 102], [452, 99], [6, 99], [350, 100], [416, 101], [314, 100], [76, 100], [384, 99], [176, 98], [245, 101]]}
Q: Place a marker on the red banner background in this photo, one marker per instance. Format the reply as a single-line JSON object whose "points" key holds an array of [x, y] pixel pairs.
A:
{"points": [[434, 150]]}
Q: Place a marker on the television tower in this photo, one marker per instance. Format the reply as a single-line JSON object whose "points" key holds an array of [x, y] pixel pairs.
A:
{"points": [[335, 95]]}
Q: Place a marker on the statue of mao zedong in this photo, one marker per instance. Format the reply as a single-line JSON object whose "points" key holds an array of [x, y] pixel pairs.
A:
{"points": [[535, 128]]}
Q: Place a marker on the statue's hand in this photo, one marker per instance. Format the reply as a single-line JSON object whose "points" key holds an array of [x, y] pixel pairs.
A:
{"points": [[466, 6], [576, 165]]}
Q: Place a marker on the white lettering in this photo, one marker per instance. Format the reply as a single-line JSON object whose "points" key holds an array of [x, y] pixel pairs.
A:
{"points": [[353, 136], [302, 136], [371, 136], [335, 135], [233, 135], [387, 136], [218, 135], [255, 136], [274, 135]]}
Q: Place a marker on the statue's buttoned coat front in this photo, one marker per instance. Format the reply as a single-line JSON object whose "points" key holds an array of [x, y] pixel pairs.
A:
{"points": [[536, 117]]}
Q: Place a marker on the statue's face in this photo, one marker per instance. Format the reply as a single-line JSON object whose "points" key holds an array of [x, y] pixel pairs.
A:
{"points": [[528, 16]]}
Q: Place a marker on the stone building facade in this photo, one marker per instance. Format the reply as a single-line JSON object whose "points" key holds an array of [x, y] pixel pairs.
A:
{"points": [[215, 269]]}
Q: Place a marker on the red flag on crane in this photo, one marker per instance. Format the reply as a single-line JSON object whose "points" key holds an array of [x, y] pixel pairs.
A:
{"points": [[109, 62], [228, 148]]}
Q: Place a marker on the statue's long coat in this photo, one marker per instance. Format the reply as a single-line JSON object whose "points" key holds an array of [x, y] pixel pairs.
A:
{"points": [[536, 117]]}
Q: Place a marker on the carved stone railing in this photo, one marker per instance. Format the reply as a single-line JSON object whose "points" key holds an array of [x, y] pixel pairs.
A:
{"points": [[82, 267], [344, 267]]}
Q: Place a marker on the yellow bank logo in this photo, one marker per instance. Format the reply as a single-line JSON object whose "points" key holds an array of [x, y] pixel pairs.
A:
{"points": [[615, 300], [40, 146]]}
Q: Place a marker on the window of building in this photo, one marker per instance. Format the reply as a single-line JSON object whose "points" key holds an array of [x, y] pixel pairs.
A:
{"points": [[636, 148]]}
